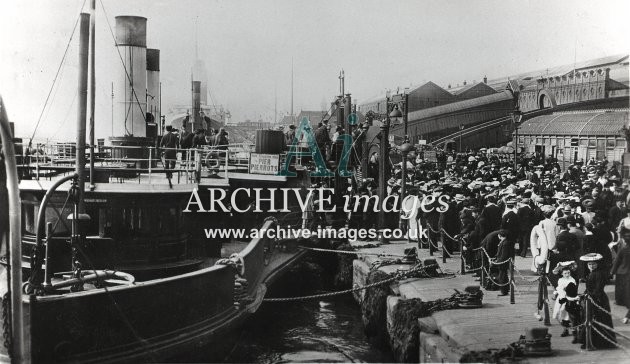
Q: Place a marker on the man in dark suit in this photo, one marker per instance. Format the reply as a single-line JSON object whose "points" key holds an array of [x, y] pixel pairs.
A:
{"points": [[169, 144], [616, 214], [505, 251], [527, 221], [510, 221], [492, 213]]}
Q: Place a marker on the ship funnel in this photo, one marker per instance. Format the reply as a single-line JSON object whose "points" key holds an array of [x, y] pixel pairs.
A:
{"points": [[130, 84]]}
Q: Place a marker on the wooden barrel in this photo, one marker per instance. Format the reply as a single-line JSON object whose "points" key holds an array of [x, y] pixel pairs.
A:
{"points": [[269, 141]]}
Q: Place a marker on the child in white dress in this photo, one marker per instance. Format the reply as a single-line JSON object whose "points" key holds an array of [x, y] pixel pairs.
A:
{"points": [[559, 311]]}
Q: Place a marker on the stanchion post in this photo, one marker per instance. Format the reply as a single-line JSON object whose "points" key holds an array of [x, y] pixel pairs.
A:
{"points": [[543, 281], [588, 339], [443, 247], [431, 233], [482, 280], [461, 255], [512, 300]]}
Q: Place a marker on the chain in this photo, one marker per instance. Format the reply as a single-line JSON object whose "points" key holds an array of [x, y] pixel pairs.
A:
{"points": [[489, 277], [352, 252], [607, 339], [611, 329], [398, 275], [598, 306], [6, 322]]}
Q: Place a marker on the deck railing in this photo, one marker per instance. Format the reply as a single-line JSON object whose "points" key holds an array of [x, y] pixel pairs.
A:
{"points": [[129, 162]]}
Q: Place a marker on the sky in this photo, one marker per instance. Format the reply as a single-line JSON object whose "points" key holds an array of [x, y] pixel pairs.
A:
{"points": [[249, 47]]}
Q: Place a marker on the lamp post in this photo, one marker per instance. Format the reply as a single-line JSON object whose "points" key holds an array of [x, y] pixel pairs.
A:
{"points": [[384, 167], [404, 149], [516, 119]]}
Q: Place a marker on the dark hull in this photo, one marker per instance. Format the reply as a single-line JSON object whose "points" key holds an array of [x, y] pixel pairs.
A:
{"points": [[190, 317]]}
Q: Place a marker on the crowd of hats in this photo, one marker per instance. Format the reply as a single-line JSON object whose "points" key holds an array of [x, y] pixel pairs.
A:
{"points": [[471, 177]]}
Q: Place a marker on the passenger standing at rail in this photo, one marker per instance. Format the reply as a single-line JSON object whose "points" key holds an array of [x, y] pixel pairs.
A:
{"points": [[169, 144]]}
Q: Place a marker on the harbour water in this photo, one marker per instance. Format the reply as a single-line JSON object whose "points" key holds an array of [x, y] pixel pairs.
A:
{"points": [[328, 330], [325, 331]]}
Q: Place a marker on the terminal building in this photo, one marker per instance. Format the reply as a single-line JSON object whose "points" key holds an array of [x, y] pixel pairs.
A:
{"points": [[569, 112]]}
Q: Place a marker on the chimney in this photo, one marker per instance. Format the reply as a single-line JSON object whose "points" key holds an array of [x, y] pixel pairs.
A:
{"points": [[131, 88], [485, 79]]}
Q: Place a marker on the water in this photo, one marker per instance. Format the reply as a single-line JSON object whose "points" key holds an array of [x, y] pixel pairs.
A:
{"points": [[324, 331]]}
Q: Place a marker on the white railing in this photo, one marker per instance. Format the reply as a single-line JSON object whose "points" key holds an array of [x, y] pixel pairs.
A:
{"points": [[142, 160]]}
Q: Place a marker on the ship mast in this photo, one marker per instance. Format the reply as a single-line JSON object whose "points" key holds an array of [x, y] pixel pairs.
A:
{"points": [[92, 89]]}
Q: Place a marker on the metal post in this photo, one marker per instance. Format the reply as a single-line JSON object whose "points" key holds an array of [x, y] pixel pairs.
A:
{"points": [[92, 90], [588, 339], [406, 113], [47, 254], [515, 145], [150, 162], [383, 168], [512, 300], [543, 281], [430, 233], [404, 181], [14, 246], [443, 247], [82, 105], [482, 280], [462, 267]]}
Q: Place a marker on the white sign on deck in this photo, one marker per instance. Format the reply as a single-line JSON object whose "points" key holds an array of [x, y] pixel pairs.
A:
{"points": [[264, 163]]}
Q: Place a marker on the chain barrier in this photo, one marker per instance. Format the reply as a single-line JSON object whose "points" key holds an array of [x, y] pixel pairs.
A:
{"points": [[611, 329], [602, 309], [607, 339], [399, 275], [489, 277]]}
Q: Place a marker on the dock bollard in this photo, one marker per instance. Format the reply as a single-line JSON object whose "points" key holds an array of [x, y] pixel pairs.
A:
{"points": [[461, 255], [512, 301]]}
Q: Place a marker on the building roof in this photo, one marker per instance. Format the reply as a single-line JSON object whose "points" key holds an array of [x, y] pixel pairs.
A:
{"points": [[585, 123], [312, 116], [499, 83], [472, 91], [459, 106], [288, 120]]}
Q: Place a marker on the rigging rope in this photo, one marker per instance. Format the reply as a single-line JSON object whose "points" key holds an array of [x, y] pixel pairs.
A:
{"points": [[30, 143]]}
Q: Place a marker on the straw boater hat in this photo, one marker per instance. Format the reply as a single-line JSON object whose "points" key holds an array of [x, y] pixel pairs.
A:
{"points": [[570, 264], [591, 257]]}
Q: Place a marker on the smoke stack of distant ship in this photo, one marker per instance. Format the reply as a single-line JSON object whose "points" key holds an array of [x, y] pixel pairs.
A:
{"points": [[197, 120]]}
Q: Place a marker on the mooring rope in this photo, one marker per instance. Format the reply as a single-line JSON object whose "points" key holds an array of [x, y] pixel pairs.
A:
{"points": [[397, 276]]}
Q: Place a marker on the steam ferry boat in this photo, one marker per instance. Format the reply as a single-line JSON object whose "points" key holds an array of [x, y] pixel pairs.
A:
{"points": [[113, 269]]}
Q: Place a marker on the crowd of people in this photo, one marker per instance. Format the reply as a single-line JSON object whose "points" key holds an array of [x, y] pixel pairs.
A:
{"points": [[574, 223], [172, 142]]}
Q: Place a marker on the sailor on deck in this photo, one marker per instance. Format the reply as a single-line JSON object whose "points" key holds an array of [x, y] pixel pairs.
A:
{"points": [[169, 144]]}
